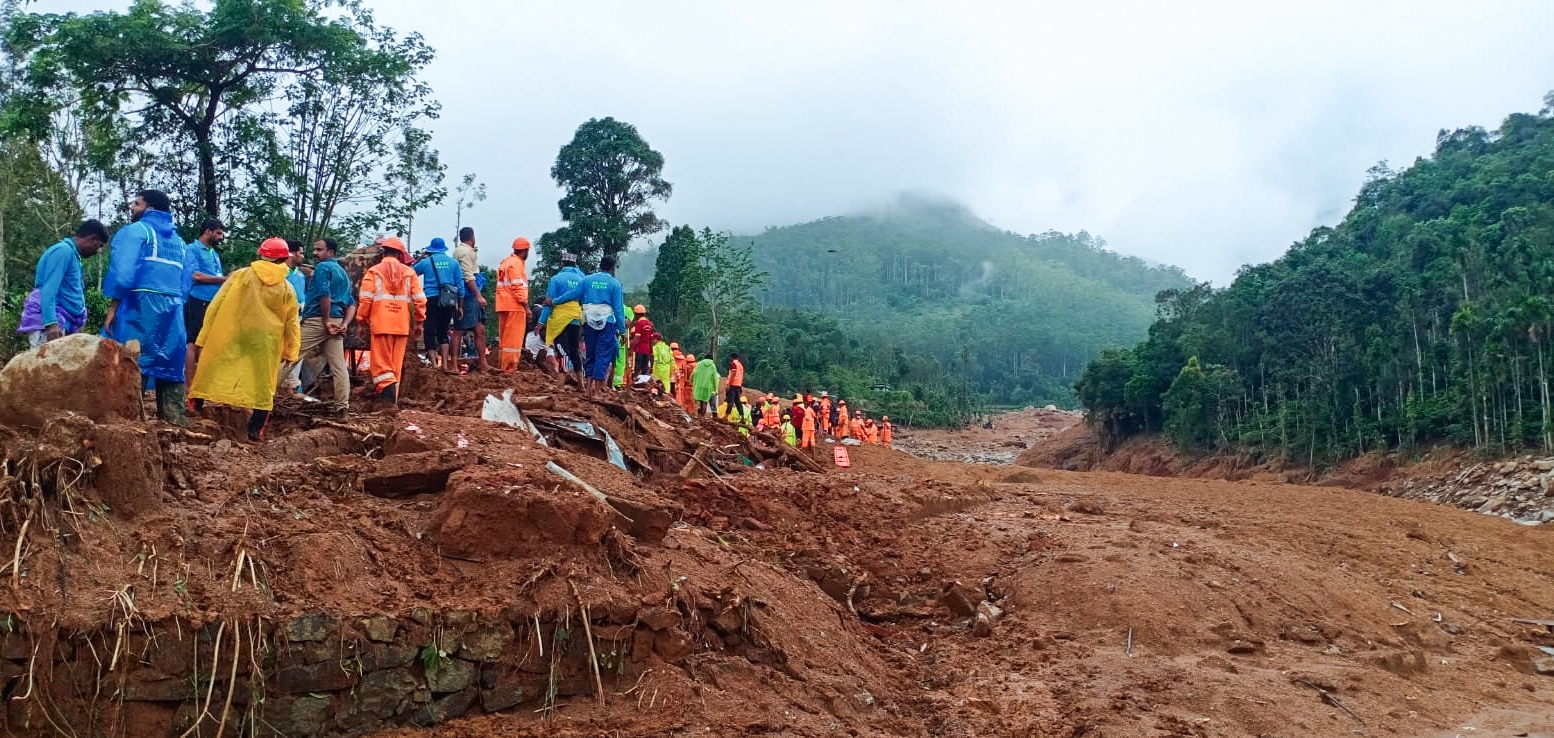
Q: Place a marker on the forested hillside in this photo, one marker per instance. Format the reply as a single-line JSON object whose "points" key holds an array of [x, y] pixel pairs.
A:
{"points": [[1424, 315], [923, 293]]}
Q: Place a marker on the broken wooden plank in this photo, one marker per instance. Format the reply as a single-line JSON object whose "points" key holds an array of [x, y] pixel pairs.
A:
{"points": [[1549, 624]]}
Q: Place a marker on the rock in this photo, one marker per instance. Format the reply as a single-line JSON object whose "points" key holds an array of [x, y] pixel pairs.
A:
{"points": [[1088, 506], [452, 676], [309, 628], [1544, 666], [1543, 465], [505, 694], [403, 475], [962, 599], [1244, 647], [486, 643], [444, 709], [380, 628], [380, 656], [326, 676], [659, 618], [982, 627], [303, 715], [149, 685], [80, 373], [384, 694]]}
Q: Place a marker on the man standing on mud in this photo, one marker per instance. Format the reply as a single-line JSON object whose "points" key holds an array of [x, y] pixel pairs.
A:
{"points": [[203, 275], [393, 305], [562, 321], [512, 305], [473, 317], [145, 290], [57, 304], [329, 307], [604, 321]]}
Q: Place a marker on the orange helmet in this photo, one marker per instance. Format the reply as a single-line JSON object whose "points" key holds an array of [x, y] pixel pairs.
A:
{"points": [[690, 357], [841, 402], [674, 344], [640, 309], [395, 244], [520, 244], [885, 417]]}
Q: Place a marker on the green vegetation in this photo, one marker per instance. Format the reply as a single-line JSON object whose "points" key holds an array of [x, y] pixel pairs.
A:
{"points": [[610, 176], [1424, 316]]}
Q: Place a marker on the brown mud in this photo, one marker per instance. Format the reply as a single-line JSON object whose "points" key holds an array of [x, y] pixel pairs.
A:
{"points": [[427, 572]]}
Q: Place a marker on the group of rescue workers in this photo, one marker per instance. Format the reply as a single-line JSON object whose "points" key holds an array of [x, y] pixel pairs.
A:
{"points": [[235, 338]]}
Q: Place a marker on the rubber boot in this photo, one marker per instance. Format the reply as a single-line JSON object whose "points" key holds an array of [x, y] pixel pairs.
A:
{"points": [[170, 402], [390, 395], [256, 423]]}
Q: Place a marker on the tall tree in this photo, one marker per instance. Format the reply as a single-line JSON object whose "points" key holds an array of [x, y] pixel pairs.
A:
{"points": [[675, 291], [470, 191], [729, 281], [415, 182], [611, 176], [178, 71]]}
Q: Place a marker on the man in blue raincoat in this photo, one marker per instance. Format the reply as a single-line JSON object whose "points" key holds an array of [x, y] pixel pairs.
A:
{"points": [[145, 289]]}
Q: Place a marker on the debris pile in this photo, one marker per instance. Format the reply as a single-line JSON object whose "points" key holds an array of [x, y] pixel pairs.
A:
{"points": [[1521, 490]]}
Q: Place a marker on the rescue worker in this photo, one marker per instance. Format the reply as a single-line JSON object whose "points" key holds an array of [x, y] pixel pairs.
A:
{"points": [[807, 427], [442, 279], [771, 411], [472, 314], [641, 342], [297, 277], [563, 320], [512, 306], [663, 362], [856, 428], [704, 381], [871, 432], [825, 412], [674, 370], [329, 309], [842, 425], [885, 431], [621, 361], [202, 276], [604, 321], [789, 435], [250, 328], [145, 291], [392, 305], [687, 395], [736, 380], [739, 415], [56, 306], [796, 410]]}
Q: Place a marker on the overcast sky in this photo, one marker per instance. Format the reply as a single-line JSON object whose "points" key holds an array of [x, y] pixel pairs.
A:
{"points": [[1202, 134]]}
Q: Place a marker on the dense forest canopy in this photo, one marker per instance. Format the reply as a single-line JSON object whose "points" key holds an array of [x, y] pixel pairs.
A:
{"points": [[924, 293], [1425, 315]]}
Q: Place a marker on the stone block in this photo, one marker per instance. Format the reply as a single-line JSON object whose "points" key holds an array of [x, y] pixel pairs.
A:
{"points": [[403, 475], [322, 677], [379, 656], [380, 628], [298, 715], [80, 373], [309, 628], [486, 643], [506, 694], [149, 685], [452, 675], [385, 694], [445, 708]]}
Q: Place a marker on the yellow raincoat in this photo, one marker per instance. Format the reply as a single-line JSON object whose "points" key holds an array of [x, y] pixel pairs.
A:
{"points": [[250, 327]]}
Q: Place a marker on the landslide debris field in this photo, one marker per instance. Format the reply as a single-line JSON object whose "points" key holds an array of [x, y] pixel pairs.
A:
{"points": [[434, 573]]}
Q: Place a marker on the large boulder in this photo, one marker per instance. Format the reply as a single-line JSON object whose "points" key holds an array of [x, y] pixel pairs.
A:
{"points": [[93, 376]]}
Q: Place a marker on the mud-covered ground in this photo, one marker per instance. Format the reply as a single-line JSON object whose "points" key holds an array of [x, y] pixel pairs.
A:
{"points": [[901, 596]]}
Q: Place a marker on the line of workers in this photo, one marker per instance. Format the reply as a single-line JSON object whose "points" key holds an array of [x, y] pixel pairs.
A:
{"points": [[235, 338]]}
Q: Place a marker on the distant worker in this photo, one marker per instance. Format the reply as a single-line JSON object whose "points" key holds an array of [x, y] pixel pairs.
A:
{"points": [[472, 314], [807, 429], [392, 305], [329, 309], [842, 425], [704, 381], [789, 435], [856, 429], [663, 362], [797, 410], [202, 276], [145, 290], [442, 279], [885, 430], [736, 380], [297, 277], [871, 432], [563, 320], [512, 305], [250, 328], [57, 304], [641, 342], [604, 321], [825, 412], [685, 392]]}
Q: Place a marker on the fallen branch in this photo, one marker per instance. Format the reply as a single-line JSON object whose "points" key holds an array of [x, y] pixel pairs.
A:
{"points": [[593, 659], [1330, 699]]}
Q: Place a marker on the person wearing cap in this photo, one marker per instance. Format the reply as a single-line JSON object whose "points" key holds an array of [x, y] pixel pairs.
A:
{"points": [[797, 410], [807, 428], [841, 425], [825, 412], [885, 431], [562, 321], [145, 290], [442, 279], [663, 362], [687, 396], [250, 328], [857, 427], [604, 321], [392, 305], [512, 305], [472, 313], [772, 411], [704, 381], [641, 341], [789, 435]]}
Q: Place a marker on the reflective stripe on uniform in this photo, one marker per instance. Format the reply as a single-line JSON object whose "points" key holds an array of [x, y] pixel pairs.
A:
{"points": [[383, 376], [384, 296], [511, 283]]}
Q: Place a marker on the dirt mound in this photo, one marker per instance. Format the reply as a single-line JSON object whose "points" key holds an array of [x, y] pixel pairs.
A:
{"points": [[484, 516]]}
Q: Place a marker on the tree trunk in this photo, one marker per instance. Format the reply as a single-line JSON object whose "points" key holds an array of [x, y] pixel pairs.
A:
{"points": [[207, 160]]}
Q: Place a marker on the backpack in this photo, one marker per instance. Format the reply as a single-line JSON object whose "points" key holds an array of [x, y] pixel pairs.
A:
{"points": [[447, 292]]}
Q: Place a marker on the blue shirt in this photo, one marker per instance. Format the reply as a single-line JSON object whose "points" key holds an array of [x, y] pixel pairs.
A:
{"points": [[298, 282], [437, 269], [58, 280], [558, 285], [329, 280], [599, 288], [197, 257]]}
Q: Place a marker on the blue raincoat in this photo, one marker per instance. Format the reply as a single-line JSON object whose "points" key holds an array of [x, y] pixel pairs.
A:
{"points": [[145, 274]]}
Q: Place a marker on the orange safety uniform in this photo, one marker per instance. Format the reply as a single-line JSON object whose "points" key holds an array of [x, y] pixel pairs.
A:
{"points": [[807, 427], [772, 412], [843, 428], [391, 303], [512, 307], [885, 433], [825, 414], [871, 433], [684, 391], [856, 429]]}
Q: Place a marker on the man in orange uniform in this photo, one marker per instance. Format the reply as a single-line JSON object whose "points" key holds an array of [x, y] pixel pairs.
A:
{"points": [[683, 390], [843, 428], [512, 305], [856, 429], [885, 431], [736, 381], [772, 411], [825, 412], [392, 306], [807, 428], [871, 432]]}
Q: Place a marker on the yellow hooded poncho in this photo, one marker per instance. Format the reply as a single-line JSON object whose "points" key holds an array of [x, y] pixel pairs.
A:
{"points": [[663, 363], [250, 327]]}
